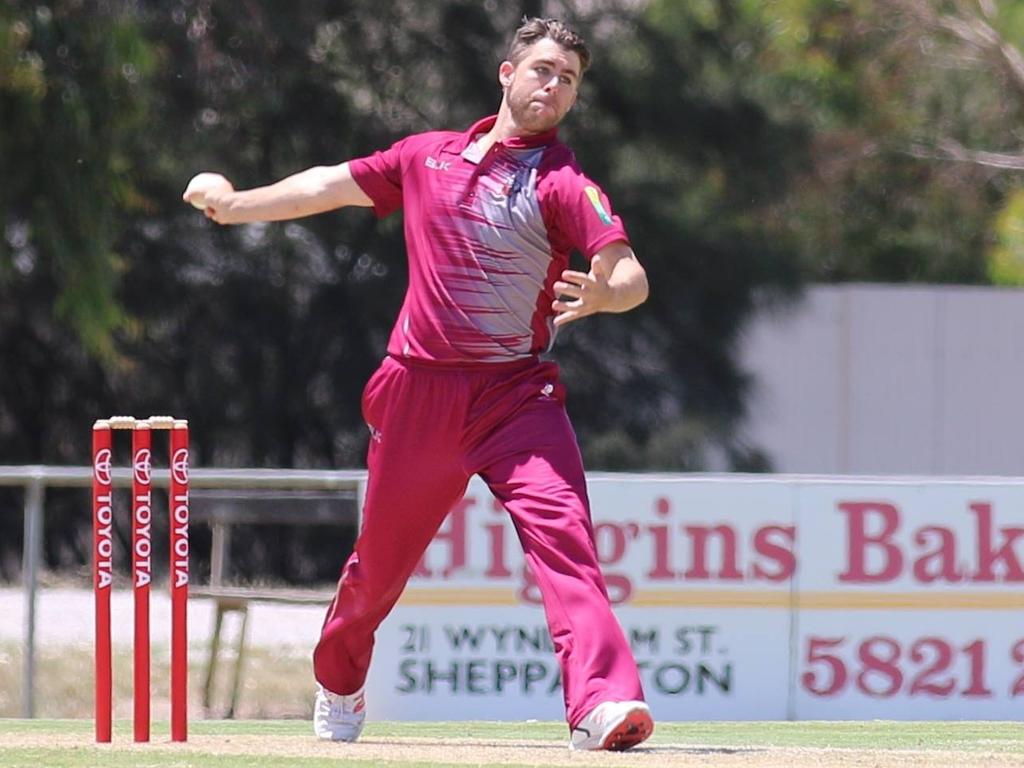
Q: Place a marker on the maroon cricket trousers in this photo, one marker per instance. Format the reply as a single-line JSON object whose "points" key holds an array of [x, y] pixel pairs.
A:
{"points": [[433, 427]]}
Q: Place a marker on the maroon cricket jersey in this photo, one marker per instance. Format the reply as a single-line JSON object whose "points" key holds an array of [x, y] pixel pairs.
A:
{"points": [[487, 237]]}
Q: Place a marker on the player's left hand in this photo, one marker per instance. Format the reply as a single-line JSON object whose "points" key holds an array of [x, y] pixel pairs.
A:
{"points": [[589, 290]]}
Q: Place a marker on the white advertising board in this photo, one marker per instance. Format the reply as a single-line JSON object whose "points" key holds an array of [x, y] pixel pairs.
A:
{"points": [[743, 597], [910, 601]]}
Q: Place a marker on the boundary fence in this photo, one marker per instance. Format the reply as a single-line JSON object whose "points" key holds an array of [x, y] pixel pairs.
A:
{"points": [[35, 479]]}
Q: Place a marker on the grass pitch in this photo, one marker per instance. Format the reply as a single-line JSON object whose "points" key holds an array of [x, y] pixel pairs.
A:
{"points": [[276, 744]]}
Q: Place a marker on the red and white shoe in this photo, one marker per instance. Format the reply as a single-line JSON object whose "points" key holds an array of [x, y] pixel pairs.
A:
{"points": [[614, 725], [337, 717]]}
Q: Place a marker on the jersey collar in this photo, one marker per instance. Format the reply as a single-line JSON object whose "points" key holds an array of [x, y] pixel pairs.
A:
{"points": [[513, 142]]}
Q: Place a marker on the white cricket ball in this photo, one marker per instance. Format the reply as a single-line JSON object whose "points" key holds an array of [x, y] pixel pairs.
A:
{"points": [[201, 181]]}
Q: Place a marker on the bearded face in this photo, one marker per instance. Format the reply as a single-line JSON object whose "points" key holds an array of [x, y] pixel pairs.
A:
{"points": [[541, 89]]}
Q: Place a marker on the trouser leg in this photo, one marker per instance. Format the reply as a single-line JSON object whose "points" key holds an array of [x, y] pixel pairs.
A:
{"points": [[534, 468], [415, 477]]}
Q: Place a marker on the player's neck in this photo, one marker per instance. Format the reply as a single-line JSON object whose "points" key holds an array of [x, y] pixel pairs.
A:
{"points": [[505, 127]]}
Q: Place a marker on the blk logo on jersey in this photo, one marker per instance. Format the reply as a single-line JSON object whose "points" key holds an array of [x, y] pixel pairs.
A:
{"points": [[437, 165]]}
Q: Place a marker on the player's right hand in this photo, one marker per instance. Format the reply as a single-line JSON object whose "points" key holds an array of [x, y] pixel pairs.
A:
{"points": [[207, 192]]}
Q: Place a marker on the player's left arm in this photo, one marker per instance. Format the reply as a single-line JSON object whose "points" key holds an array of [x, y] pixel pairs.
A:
{"points": [[616, 282]]}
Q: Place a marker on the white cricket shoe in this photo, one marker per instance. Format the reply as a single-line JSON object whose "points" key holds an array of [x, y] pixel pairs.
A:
{"points": [[337, 717], [614, 725]]}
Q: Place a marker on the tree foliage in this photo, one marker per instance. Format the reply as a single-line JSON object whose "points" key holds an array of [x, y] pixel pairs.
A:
{"points": [[749, 146], [904, 98]]}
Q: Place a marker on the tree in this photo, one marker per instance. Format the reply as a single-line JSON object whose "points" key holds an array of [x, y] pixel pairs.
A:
{"points": [[71, 91], [748, 147], [264, 335], [977, 39]]}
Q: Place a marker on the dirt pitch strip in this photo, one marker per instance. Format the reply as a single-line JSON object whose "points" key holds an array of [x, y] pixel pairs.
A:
{"points": [[296, 750], [478, 752]]}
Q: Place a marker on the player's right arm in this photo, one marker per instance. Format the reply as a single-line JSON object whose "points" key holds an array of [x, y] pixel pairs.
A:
{"points": [[315, 190]]}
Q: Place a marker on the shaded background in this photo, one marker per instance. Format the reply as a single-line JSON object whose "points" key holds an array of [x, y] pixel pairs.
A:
{"points": [[750, 147]]}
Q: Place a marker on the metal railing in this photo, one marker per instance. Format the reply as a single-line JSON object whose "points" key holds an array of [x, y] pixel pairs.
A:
{"points": [[35, 479]]}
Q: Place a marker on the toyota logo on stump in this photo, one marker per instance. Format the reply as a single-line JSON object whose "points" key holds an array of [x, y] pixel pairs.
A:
{"points": [[179, 466], [142, 466], [101, 466]]}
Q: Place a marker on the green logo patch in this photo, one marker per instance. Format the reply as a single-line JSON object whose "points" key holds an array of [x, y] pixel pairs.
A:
{"points": [[595, 200]]}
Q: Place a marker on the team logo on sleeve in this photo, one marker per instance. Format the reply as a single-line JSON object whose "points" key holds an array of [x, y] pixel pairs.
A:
{"points": [[595, 200]]}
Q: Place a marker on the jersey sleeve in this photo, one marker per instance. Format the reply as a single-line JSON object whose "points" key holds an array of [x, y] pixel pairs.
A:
{"points": [[380, 176], [580, 212]]}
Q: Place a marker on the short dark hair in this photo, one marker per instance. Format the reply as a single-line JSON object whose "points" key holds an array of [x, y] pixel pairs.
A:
{"points": [[534, 29]]}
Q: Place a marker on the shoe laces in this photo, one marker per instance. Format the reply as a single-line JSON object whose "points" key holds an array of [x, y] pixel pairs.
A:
{"points": [[341, 706], [601, 714]]}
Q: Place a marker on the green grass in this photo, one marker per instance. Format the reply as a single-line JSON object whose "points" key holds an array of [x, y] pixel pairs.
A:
{"points": [[23, 742], [968, 736], [276, 701]]}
